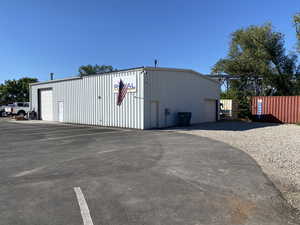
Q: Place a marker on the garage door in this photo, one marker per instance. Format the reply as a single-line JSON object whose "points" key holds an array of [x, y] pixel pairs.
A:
{"points": [[210, 110], [46, 105]]}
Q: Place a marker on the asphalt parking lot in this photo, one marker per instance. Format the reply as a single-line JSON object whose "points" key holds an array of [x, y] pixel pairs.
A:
{"points": [[52, 174]]}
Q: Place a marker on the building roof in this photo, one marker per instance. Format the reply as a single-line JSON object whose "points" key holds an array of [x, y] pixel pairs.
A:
{"points": [[180, 70], [130, 69]]}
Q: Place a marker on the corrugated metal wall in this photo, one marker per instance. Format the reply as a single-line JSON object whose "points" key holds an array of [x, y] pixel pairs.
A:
{"points": [[177, 91], [91, 100], [283, 109]]}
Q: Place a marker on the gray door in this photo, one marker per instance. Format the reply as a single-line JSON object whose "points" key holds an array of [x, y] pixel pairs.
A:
{"points": [[209, 110]]}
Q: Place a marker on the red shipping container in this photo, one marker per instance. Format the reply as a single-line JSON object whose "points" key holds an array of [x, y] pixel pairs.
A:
{"points": [[281, 109]]}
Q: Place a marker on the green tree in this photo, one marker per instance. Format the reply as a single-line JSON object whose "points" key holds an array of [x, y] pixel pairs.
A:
{"points": [[228, 94], [258, 58], [15, 90], [297, 26], [96, 69], [2, 91]]}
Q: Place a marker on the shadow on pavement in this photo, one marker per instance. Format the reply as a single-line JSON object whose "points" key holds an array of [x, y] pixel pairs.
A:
{"points": [[228, 126]]}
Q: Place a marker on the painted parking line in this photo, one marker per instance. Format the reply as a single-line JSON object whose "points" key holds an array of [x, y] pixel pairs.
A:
{"points": [[84, 209], [109, 151]]}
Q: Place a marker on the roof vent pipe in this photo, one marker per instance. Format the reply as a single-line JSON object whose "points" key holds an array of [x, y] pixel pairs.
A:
{"points": [[155, 63], [51, 76]]}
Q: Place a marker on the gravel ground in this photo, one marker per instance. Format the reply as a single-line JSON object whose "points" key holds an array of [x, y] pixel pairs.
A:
{"points": [[275, 147]]}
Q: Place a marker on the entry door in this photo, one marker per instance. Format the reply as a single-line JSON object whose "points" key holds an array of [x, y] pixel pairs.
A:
{"points": [[46, 105], [210, 110], [61, 111]]}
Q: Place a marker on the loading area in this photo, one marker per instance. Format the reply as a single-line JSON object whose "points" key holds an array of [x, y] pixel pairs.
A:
{"points": [[62, 174]]}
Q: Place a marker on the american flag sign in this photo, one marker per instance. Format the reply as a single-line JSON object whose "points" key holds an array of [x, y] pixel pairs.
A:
{"points": [[123, 88]]}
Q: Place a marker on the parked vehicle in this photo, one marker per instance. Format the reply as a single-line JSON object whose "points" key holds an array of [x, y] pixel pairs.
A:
{"points": [[17, 108], [2, 110]]}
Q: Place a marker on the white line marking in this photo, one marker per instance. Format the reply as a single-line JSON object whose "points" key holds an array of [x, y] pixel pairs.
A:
{"points": [[84, 209], [28, 172], [108, 151], [185, 178]]}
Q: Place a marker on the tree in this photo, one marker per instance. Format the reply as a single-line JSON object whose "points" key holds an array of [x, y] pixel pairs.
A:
{"points": [[15, 90], [2, 90], [96, 69], [258, 57], [297, 26]]}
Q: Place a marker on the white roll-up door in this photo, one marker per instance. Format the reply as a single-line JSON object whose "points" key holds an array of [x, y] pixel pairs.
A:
{"points": [[210, 110], [61, 111], [46, 104]]}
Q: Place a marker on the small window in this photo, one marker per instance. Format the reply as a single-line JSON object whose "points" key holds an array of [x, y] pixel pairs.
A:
{"points": [[26, 105], [20, 104]]}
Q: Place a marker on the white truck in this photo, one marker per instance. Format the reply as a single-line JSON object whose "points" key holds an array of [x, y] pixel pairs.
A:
{"points": [[17, 108]]}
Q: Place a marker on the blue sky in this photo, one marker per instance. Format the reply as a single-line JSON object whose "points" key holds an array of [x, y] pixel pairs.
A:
{"points": [[42, 36]]}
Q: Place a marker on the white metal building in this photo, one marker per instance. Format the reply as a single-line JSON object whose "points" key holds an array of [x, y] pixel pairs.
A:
{"points": [[154, 97]]}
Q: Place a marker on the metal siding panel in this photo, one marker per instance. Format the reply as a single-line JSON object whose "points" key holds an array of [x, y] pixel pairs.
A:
{"points": [[96, 102], [277, 112], [83, 106], [294, 113], [297, 109], [177, 91], [88, 96], [146, 102], [266, 106], [289, 110], [283, 109], [93, 102], [273, 109]]}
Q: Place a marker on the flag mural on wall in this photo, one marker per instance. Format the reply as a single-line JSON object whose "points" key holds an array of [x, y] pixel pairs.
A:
{"points": [[123, 88]]}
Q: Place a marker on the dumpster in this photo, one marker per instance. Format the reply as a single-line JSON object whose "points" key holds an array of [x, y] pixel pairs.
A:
{"points": [[184, 119]]}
